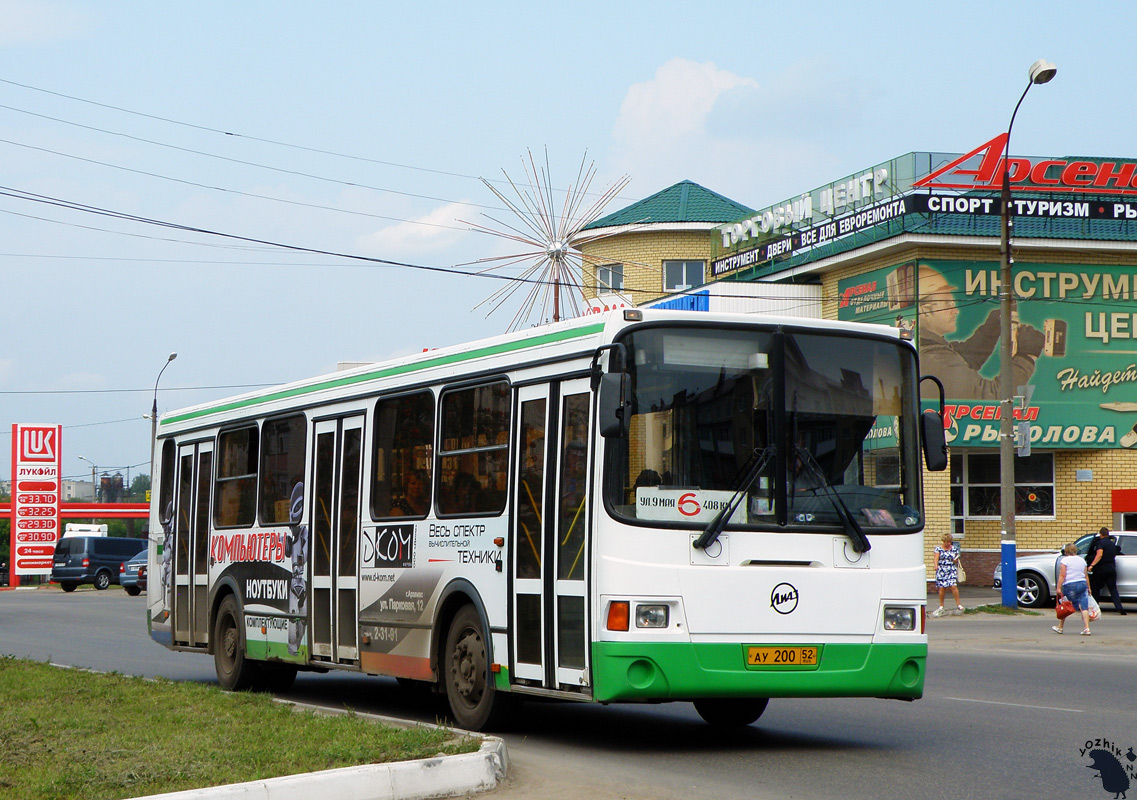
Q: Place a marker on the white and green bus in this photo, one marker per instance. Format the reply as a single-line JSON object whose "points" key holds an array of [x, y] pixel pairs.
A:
{"points": [[638, 506]]}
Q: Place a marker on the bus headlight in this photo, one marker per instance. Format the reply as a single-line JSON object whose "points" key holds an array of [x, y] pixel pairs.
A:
{"points": [[651, 616], [897, 618]]}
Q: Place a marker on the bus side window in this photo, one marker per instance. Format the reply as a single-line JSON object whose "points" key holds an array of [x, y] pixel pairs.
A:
{"points": [[235, 489], [403, 460], [474, 450], [166, 488], [282, 466]]}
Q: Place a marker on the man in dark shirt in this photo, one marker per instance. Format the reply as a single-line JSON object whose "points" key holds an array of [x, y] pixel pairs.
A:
{"points": [[1102, 569]]}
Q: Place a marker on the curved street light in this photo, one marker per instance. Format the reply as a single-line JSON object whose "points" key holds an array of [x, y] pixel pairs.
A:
{"points": [[154, 415], [1041, 71], [94, 485]]}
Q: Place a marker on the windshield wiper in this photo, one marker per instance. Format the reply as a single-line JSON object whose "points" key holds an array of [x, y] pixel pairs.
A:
{"points": [[852, 529], [759, 460]]}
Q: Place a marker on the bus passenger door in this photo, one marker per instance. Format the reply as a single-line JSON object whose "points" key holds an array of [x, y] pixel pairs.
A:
{"points": [[335, 536], [527, 545], [550, 539], [190, 607]]}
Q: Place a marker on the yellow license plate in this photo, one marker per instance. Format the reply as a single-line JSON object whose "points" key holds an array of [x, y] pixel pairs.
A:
{"points": [[781, 656]]}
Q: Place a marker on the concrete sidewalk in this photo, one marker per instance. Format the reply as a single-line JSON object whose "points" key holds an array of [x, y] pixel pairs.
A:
{"points": [[1029, 630], [969, 596]]}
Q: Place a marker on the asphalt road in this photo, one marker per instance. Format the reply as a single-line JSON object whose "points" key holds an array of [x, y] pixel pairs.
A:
{"points": [[1007, 712]]}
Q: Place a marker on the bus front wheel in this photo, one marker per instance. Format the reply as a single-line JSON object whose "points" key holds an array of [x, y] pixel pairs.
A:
{"points": [[234, 672], [474, 701], [731, 713]]}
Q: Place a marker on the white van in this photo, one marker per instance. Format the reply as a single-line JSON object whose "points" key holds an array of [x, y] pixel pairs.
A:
{"points": [[81, 529]]}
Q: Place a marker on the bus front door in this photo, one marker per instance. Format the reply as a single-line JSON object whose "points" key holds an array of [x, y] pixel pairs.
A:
{"points": [[191, 544], [550, 538], [335, 529]]}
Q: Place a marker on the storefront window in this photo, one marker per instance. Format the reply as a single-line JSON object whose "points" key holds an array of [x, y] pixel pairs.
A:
{"points": [[975, 487]]}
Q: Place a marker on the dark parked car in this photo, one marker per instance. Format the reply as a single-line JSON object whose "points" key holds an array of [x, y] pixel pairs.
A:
{"points": [[132, 574], [91, 559]]}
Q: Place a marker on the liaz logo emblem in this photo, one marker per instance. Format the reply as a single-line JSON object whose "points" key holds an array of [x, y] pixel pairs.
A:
{"points": [[783, 598], [37, 444]]}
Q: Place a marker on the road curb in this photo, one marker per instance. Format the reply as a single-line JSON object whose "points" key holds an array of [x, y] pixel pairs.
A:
{"points": [[421, 779], [443, 776]]}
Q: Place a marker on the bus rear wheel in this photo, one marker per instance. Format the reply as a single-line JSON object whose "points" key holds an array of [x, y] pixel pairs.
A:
{"points": [[234, 672], [731, 713], [474, 701]]}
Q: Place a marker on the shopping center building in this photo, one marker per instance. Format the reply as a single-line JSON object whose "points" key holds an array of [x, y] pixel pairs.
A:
{"points": [[915, 242]]}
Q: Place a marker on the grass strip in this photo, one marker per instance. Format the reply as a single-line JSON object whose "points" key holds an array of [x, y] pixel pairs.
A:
{"points": [[67, 733]]}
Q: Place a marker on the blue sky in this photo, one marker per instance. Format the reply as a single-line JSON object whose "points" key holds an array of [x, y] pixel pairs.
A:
{"points": [[364, 128]]}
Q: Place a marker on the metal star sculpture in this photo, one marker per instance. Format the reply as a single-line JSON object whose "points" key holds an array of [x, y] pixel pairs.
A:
{"points": [[552, 272]]}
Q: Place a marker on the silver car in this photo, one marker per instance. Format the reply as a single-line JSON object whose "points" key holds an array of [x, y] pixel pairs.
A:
{"points": [[1037, 575], [132, 574]]}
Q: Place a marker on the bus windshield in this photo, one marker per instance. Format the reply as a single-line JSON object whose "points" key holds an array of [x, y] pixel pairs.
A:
{"points": [[823, 422]]}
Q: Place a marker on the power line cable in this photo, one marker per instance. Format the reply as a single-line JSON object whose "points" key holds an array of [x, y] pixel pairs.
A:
{"points": [[19, 194], [147, 390], [237, 161], [235, 135], [368, 261], [197, 261], [123, 233]]}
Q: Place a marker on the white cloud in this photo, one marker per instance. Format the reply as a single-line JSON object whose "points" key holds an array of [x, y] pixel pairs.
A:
{"points": [[432, 233], [675, 103], [747, 140], [33, 22]]}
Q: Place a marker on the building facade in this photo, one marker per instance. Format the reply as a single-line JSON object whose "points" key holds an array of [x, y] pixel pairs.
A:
{"points": [[915, 242], [70, 490]]}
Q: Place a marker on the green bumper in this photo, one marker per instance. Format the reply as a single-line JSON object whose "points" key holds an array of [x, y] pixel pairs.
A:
{"points": [[625, 671]]}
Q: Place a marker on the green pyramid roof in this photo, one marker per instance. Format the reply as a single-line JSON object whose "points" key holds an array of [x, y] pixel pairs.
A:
{"points": [[683, 202]]}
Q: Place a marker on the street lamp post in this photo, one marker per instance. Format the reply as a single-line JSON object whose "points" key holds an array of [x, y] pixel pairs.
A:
{"points": [[154, 416], [94, 485], [1040, 71]]}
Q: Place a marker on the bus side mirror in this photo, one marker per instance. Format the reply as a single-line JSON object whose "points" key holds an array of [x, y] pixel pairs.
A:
{"points": [[935, 440], [612, 405]]}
